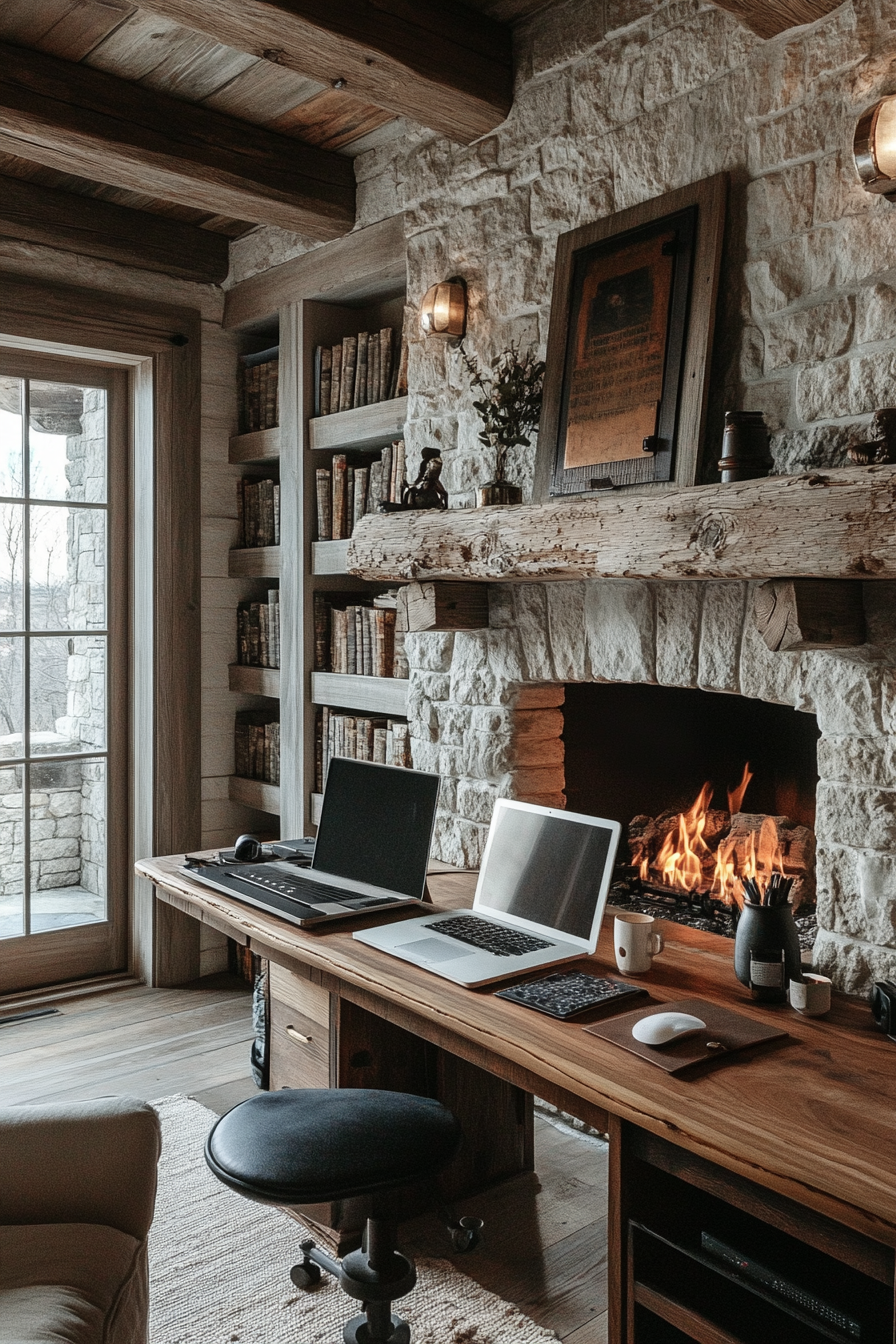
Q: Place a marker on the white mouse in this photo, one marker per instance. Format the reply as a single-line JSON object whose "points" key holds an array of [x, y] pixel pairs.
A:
{"points": [[662, 1028]]}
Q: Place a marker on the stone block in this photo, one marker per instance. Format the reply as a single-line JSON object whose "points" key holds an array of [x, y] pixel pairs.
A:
{"points": [[852, 964], [677, 632], [804, 449], [59, 849], [434, 685], [476, 800], [457, 840], [538, 779], [484, 756], [620, 630], [448, 793], [496, 721], [531, 622], [452, 760], [808, 335], [425, 755], [550, 751], [875, 312], [858, 760], [485, 666], [863, 818], [537, 725], [843, 693], [430, 650], [454, 723], [859, 894], [65, 804], [721, 636], [501, 613], [780, 205], [566, 630], [764, 675], [421, 711]]}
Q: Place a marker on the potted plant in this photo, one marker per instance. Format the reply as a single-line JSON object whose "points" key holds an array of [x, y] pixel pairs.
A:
{"points": [[509, 409]]}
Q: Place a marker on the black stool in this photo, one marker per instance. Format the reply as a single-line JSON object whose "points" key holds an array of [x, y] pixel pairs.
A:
{"points": [[305, 1146]]}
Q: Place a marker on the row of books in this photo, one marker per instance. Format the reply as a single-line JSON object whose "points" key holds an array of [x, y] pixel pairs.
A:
{"points": [[258, 632], [257, 382], [256, 745], [359, 635], [258, 512], [358, 371], [360, 738], [345, 494]]}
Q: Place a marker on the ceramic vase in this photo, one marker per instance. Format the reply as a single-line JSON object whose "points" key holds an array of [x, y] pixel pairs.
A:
{"points": [[766, 928]]}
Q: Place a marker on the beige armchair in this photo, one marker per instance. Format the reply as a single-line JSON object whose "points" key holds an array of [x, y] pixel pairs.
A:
{"points": [[77, 1192]]}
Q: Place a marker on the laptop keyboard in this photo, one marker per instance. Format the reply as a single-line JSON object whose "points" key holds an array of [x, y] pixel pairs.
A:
{"points": [[305, 889], [496, 938]]}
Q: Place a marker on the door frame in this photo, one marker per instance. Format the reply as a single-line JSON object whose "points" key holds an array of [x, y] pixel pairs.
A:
{"points": [[160, 347]]}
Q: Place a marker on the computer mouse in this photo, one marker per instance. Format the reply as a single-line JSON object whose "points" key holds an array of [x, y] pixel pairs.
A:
{"points": [[663, 1028], [247, 849]]}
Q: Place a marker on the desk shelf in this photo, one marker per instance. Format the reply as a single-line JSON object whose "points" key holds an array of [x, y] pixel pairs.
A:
{"points": [[262, 445], [370, 695], [365, 427], [255, 793], [248, 680], [254, 562]]}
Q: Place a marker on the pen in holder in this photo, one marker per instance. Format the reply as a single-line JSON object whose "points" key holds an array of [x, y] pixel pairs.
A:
{"points": [[766, 935]]}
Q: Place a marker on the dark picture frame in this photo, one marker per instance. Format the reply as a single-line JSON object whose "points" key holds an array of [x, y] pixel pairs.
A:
{"points": [[630, 345]]}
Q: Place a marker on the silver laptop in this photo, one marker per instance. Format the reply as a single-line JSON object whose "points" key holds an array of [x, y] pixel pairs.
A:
{"points": [[540, 899], [371, 852]]}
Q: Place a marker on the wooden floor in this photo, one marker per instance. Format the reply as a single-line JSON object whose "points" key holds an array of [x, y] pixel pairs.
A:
{"points": [[544, 1245]]}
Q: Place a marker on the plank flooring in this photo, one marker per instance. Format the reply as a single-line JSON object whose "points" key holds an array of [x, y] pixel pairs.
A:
{"points": [[544, 1245]]}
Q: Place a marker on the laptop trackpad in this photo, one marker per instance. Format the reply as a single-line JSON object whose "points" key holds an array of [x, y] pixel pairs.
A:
{"points": [[433, 949]]}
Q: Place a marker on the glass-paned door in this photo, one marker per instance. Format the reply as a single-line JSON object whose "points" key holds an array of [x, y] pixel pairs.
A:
{"points": [[63, 672]]}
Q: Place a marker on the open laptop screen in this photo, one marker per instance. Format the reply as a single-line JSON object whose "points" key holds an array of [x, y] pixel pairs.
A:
{"points": [[376, 824], [548, 867]]}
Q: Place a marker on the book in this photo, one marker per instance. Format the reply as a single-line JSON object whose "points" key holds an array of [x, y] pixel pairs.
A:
{"points": [[315, 366], [335, 376], [359, 498], [339, 496], [321, 631], [326, 379], [375, 486], [386, 474], [257, 390], [385, 348], [360, 397], [349, 365], [349, 499], [324, 504], [373, 369]]}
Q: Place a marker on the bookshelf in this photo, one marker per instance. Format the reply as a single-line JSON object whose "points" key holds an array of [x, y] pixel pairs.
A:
{"points": [[261, 445], [254, 562], [247, 680], [255, 793], [365, 427], [366, 695]]}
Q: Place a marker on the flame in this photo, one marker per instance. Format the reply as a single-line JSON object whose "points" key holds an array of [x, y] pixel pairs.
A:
{"points": [[685, 859]]}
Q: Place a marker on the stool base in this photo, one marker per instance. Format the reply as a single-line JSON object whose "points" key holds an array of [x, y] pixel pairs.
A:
{"points": [[359, 1331]]}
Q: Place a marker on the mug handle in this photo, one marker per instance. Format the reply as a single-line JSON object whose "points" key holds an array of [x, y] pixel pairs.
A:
{"points": [[656, 944]]}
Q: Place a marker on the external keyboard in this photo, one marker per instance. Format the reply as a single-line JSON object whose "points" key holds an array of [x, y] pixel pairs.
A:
{"points": [[488, 937], [305, 889]]}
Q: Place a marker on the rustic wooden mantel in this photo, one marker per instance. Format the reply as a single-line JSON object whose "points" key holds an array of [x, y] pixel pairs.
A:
{"points": [[835, 524]]}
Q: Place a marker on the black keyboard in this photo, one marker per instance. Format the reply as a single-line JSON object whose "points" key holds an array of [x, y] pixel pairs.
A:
{"points": [[304, 889], [496, 938]]}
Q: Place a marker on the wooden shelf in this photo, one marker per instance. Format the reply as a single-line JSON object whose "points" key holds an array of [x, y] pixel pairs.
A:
{"points": [[374, 695], [329, 557], [255, 680], [681, 1317], [254, 562], [364, 427], [255, 793], [261, 445]]}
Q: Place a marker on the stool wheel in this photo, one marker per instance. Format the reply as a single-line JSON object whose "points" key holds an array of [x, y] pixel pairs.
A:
{"points": [[305, 1276], [466, 1234]]}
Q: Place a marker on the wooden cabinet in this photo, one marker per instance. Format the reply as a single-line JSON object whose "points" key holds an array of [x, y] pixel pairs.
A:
{"points": [[300, 1038]]}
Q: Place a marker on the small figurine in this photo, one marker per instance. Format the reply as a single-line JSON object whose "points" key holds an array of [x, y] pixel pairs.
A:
{"points": [[881, 445], [427, 491]]}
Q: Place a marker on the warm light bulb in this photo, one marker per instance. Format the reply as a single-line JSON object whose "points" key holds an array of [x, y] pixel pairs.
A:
{"points": [[885, 138], [874, 147], [443, 311]]}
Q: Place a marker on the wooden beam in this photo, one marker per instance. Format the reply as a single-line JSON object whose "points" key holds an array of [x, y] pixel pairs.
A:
{"points": [[89, 123], [796, 614], [435, 61], [444, 606], [835, 524], [767, 18], [95, 228]]}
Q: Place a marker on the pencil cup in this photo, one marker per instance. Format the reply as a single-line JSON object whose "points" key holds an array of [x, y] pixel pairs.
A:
{"points": [[636, 942], [811, 996]]}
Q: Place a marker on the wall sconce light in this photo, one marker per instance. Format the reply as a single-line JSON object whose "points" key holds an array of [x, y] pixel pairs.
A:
{"points": [[874, 148], [443, 311]]}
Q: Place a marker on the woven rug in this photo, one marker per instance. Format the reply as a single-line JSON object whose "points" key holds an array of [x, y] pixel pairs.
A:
{"points": [[219, 1267]]}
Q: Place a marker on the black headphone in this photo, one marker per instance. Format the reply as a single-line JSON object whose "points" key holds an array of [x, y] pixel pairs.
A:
{"points": [[883, 1006], [247, 849]]}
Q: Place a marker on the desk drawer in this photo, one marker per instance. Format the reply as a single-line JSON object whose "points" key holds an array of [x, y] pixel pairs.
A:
{"points": [[300, 1049], [293, 991]]}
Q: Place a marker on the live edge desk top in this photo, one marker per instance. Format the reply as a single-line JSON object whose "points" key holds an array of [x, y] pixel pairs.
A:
{"points": [[814, 1119]]}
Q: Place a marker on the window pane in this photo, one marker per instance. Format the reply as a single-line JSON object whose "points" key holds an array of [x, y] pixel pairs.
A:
{"points": [[68, 844], [68, 568], [68, 694], [10, 436], [12, 562], [67, 442], [12, 697], [12, 853]]}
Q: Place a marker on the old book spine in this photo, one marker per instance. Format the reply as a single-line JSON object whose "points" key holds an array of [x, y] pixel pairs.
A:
{"points": [[240, 512], [324, 504], [264, 641], [400, 470], [335, 376], [351, 738], [386, 469], [275, 491], [349, 365], [338, 640], [241, 747], [379, 746], [359, 504], [386, 621], [321, 632], [273, 627], [318, 751], [326, 379], [373, 369], [271, 387], [349, 500], [266, 513], [400, 380], [324, 731], [366, 661], [254, 635], [401, 745], [375, 486], [250, 512], [360, 397], [315, 380], [350, 640], [339, 496], [242, 632], [385, 344]]}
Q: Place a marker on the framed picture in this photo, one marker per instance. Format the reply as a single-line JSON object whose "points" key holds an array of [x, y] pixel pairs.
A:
{"points": [[630, 344]]}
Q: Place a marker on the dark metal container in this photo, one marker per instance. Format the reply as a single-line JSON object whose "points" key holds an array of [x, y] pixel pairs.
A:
{"points": [[745, 450], [766, 928]]}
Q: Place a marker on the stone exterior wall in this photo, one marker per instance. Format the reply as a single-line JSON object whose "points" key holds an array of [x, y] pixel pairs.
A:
{"points": [[484, 713]]}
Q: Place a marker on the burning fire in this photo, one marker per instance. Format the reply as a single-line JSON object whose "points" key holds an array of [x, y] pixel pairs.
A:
{"points": [[685, 857]]}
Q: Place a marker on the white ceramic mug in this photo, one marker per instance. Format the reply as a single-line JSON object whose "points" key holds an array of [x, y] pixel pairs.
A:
{"points": [[636, 942], [811, 996]]}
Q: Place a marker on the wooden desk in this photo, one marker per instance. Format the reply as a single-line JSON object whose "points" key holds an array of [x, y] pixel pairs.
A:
{"points": [[802, 1137]]}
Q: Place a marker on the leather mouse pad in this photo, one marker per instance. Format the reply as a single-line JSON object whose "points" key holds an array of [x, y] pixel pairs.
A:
{"points": [[733, 1031]]}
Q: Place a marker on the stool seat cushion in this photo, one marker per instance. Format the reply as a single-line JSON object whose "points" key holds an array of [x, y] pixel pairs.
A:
{"points": [[309, 1146]]}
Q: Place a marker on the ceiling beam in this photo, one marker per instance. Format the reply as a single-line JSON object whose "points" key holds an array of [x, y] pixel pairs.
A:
{"points": [[92, 228], [435, 61], [767, 18], [89, 123]]}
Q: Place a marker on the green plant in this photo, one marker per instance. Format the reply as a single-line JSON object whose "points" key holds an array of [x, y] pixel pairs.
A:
{"points": [[511, 400]]}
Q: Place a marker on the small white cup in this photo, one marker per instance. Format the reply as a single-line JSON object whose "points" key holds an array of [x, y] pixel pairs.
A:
{"points": [[636, 942], [811, 996]]}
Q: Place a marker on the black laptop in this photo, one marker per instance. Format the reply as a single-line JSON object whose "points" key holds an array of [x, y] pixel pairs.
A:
{"points": [[372, 850]]}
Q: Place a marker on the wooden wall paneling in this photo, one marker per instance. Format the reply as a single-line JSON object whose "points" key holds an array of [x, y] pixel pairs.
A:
{"points": [[365, 263], [96, 228], [87, 122], [437, 61], [292, 569]]}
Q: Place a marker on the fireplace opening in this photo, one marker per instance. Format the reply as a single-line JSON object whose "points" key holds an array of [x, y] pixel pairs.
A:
{"points": [[642, 754]]}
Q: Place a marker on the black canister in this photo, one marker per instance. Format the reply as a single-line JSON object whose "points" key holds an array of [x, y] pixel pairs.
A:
{"points": [[765, 929], [745, 450]]}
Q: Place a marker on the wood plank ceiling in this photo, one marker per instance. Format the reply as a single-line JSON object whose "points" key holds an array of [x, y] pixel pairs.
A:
{"points": [[215, 119]]}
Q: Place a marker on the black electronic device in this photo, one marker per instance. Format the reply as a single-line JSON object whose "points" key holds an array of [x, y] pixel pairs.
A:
{"points": [[883, 1007], [247, 849], [568, 993]]}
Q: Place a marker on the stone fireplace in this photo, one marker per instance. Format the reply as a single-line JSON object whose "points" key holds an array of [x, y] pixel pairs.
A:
{"points": [[485, 709]]}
